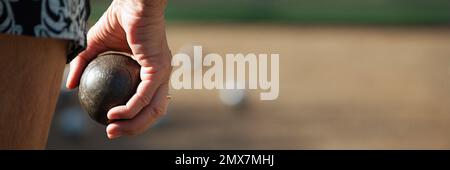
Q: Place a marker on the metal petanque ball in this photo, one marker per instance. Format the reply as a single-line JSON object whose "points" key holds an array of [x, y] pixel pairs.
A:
{"points": [[108, 81]]}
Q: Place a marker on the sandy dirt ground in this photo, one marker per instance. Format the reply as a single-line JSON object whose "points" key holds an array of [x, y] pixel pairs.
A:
{"points": [[340, 88]]}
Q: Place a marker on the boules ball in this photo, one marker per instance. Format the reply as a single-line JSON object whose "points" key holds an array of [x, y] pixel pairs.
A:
{"points": [[108, 81]]}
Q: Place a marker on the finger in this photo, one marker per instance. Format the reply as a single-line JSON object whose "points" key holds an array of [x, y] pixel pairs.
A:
{"points": [[77, 66], [143, 96], [147, 117], [79, 63]]}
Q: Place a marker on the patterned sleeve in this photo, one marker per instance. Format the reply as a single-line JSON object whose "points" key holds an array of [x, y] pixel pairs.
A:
{"points": [[61, 19]]}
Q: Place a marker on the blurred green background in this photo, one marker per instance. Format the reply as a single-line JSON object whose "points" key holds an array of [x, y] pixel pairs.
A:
{"points": [[354, 74], [304, 11]]}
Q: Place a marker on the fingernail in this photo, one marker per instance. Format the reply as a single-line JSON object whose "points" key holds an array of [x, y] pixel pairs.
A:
{"points": [[110, 116], [113, 134]]}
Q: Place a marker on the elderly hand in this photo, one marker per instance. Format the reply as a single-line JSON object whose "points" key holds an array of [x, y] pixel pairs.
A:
{"points": [[136, 27]]}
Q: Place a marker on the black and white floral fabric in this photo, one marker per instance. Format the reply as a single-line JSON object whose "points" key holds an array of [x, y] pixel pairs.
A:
{"points": [[61, 19]]}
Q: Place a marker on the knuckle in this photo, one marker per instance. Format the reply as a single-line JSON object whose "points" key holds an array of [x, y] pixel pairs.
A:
{"points": [[125, 113], [145, 100], [82, 59], [166, 70], [140, 57], [166, 66], [157, 112]]}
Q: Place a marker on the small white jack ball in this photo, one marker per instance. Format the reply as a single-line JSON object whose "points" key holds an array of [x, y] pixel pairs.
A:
{"points": [[232, 97]]}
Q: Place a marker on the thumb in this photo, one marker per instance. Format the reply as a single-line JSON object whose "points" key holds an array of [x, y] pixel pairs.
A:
{"points": [[79, 63]]}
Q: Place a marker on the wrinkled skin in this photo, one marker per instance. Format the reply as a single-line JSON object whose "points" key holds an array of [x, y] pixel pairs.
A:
{"points": [[136, 27]]}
